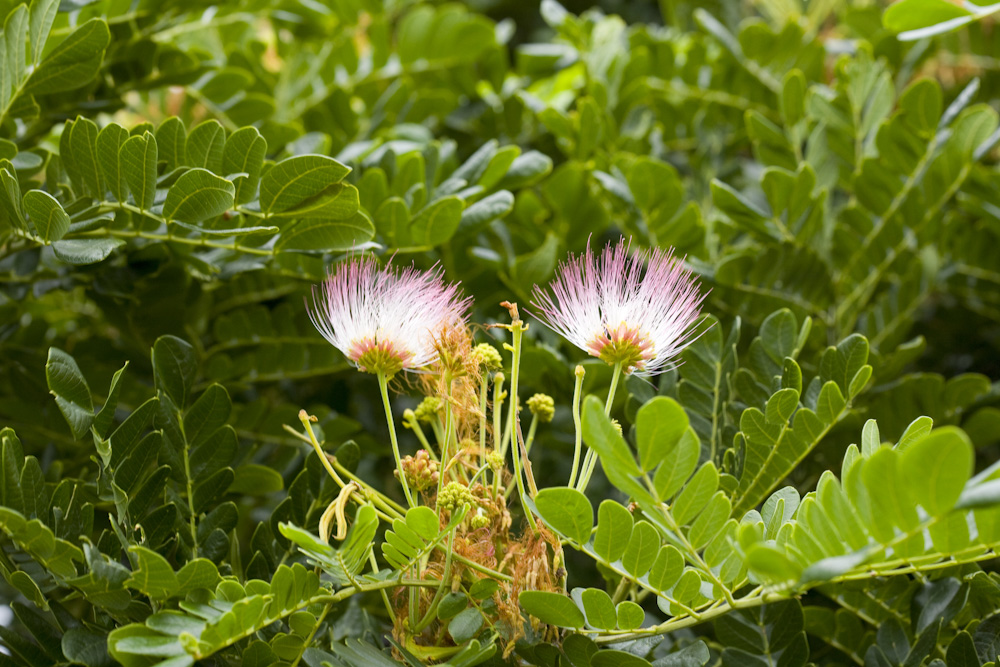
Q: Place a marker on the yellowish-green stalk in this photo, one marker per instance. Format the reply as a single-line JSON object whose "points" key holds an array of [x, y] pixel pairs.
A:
{"points": [[307, 420], [483, 391], [449, 424], [590, 462], [414, 425], [578, 427], [531, 434], [430, 615], [383, 384], [497, 417], [517, 331]]}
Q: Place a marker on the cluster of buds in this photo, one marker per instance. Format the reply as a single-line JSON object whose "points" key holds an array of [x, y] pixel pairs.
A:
{"points": [[454, 495], [420, 470], [543, 407], [480, 519], [428, 409], [495, 460], [487, 356]]}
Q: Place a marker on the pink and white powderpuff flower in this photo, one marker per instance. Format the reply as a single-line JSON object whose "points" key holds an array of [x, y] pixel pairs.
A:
{"points": [[637, 310], [386, 319]]}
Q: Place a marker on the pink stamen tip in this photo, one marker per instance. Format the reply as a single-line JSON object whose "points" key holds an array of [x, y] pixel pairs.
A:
{"points": [[386, 316], [634, 309]]}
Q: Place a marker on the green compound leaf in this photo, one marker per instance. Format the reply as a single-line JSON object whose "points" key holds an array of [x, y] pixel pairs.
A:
{"points": [[614, 528], [74, 62], [552, 608], [295, 180], [68, 385], [599, 609], [48, 216], [939, 465], [567, 511], [174, 368], [138, 157], [660, 424], [197, 196]]}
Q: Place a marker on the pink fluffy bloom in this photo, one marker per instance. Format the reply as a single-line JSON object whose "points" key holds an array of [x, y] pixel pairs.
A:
{"points": [[636, 310], [386, 319]]}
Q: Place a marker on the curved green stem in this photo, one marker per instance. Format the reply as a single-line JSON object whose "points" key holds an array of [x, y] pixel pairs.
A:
{"points": [[590, 462], [517, 330], [383, 385], [382, 593], [483, 391], [390, 509], [531, 434], [377, 498], [430, 615], [307, 424], [190, 490], [414, 426], [497, 417], [577, 393]]}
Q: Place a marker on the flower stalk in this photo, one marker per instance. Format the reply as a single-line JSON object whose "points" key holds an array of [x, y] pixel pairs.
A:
{"points": [[577, 423], [590, 461], [498, 397], [383, 385], [517, 329]]}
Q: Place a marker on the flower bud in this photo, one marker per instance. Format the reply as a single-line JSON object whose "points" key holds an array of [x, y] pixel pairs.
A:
{"points": [[428, 409], [420, 470], [487, 357], [454, 495], [542, 406], [495, 460], [480, 519]]}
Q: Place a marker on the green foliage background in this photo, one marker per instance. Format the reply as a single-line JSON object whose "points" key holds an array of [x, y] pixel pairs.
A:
{"points": [[173, 182]]}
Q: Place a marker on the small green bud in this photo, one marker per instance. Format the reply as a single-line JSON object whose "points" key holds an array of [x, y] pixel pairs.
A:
{"points": [[454, 495], [428, 409], [480, 520], [487, 356], [495, 460], [618, 426], [580, 371], [542, 406]]}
